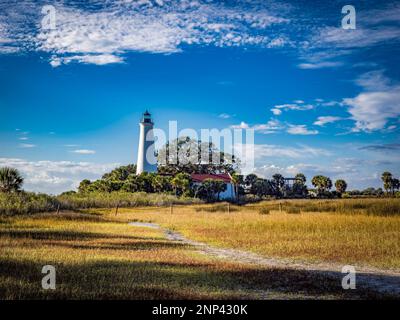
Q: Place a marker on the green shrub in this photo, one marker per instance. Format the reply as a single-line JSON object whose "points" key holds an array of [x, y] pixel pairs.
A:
{"points": [[29, 202], [26, 202]]}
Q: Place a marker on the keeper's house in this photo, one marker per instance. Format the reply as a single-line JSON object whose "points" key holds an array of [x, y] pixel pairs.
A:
{"points": [[226, 178]]}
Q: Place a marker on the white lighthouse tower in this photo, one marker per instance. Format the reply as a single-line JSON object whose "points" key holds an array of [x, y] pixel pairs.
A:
{"points": [[146, 161]]}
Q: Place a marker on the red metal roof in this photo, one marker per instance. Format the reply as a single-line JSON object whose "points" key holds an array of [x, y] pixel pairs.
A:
{"points": [[201, 177]]}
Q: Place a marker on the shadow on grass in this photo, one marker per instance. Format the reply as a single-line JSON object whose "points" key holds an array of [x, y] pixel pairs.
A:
{"points": [[139, 245], [151, 280], [112, 279], [64, 235], [76, 215]]}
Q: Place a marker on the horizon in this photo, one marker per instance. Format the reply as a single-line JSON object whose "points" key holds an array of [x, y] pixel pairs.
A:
{"points": [[320, 99]]}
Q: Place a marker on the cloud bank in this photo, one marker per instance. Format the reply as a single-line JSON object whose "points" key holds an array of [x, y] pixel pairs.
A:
{"points": [[54, 177]]}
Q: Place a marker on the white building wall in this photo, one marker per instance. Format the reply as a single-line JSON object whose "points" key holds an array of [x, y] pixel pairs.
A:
{"points": [[146, 161]]}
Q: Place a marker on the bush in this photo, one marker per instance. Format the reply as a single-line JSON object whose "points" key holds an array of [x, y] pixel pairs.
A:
{"points": [[264, 210], [222, 207], [384, 208], [26, 202], [292, 210], [29, 202], [250, 198]]}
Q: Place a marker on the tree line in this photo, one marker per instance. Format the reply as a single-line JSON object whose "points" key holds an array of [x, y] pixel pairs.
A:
{"points": [[124, 178]]}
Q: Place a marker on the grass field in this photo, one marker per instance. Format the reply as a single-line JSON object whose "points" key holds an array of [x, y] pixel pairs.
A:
{"points": [[354, 238], [98, 256], [30, 202]]}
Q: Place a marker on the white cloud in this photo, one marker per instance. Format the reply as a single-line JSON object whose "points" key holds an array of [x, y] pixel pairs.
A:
{"points": [[297, 106], [320, 65], [372, 109], [361, 37], [100, 59], [321, 121], [225, 116], [263, 151], [328, 46], [27, 145], [56, 176], [274, 126], [104, 33], [277, 43], [331, 104], [55, 62], [6, 43], [271, 126], [276, 111], [84, 151], [352, 170], [373, 81], [242, 125], [102, 36], [359, 173], [300, 129]]}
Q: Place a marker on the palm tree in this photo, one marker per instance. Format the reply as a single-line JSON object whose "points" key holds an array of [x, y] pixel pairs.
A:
{"points": [[237, 180], [322, 183], [250, 179], [132, 184], [10, 179], [340, 186], [181, 183], [263, 187], [387, 181], [161, 184], [207, 188], [299, 185], [219, 186], [279, 182], [300, 178]]}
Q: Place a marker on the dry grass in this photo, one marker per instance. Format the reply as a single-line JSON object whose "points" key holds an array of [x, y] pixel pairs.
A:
{"points": [[355, 238], [100, 257], [30, 203], [375, 206]]}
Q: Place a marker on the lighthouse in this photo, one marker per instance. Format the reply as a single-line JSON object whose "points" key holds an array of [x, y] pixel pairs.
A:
{"points": [[146, 161]]}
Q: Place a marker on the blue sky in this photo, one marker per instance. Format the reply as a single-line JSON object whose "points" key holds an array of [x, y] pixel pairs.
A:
{"points": [[321, 99]]}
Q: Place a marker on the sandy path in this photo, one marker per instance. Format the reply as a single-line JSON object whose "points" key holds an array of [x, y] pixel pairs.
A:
{"points": [[383, 281]]}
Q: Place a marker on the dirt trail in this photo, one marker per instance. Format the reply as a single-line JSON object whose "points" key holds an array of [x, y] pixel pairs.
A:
{"points": [[383, 281]]}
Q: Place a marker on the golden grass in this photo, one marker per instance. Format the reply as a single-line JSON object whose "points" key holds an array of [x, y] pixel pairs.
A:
{"points": [[101, 257], [98, 256], [355, 238]]}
